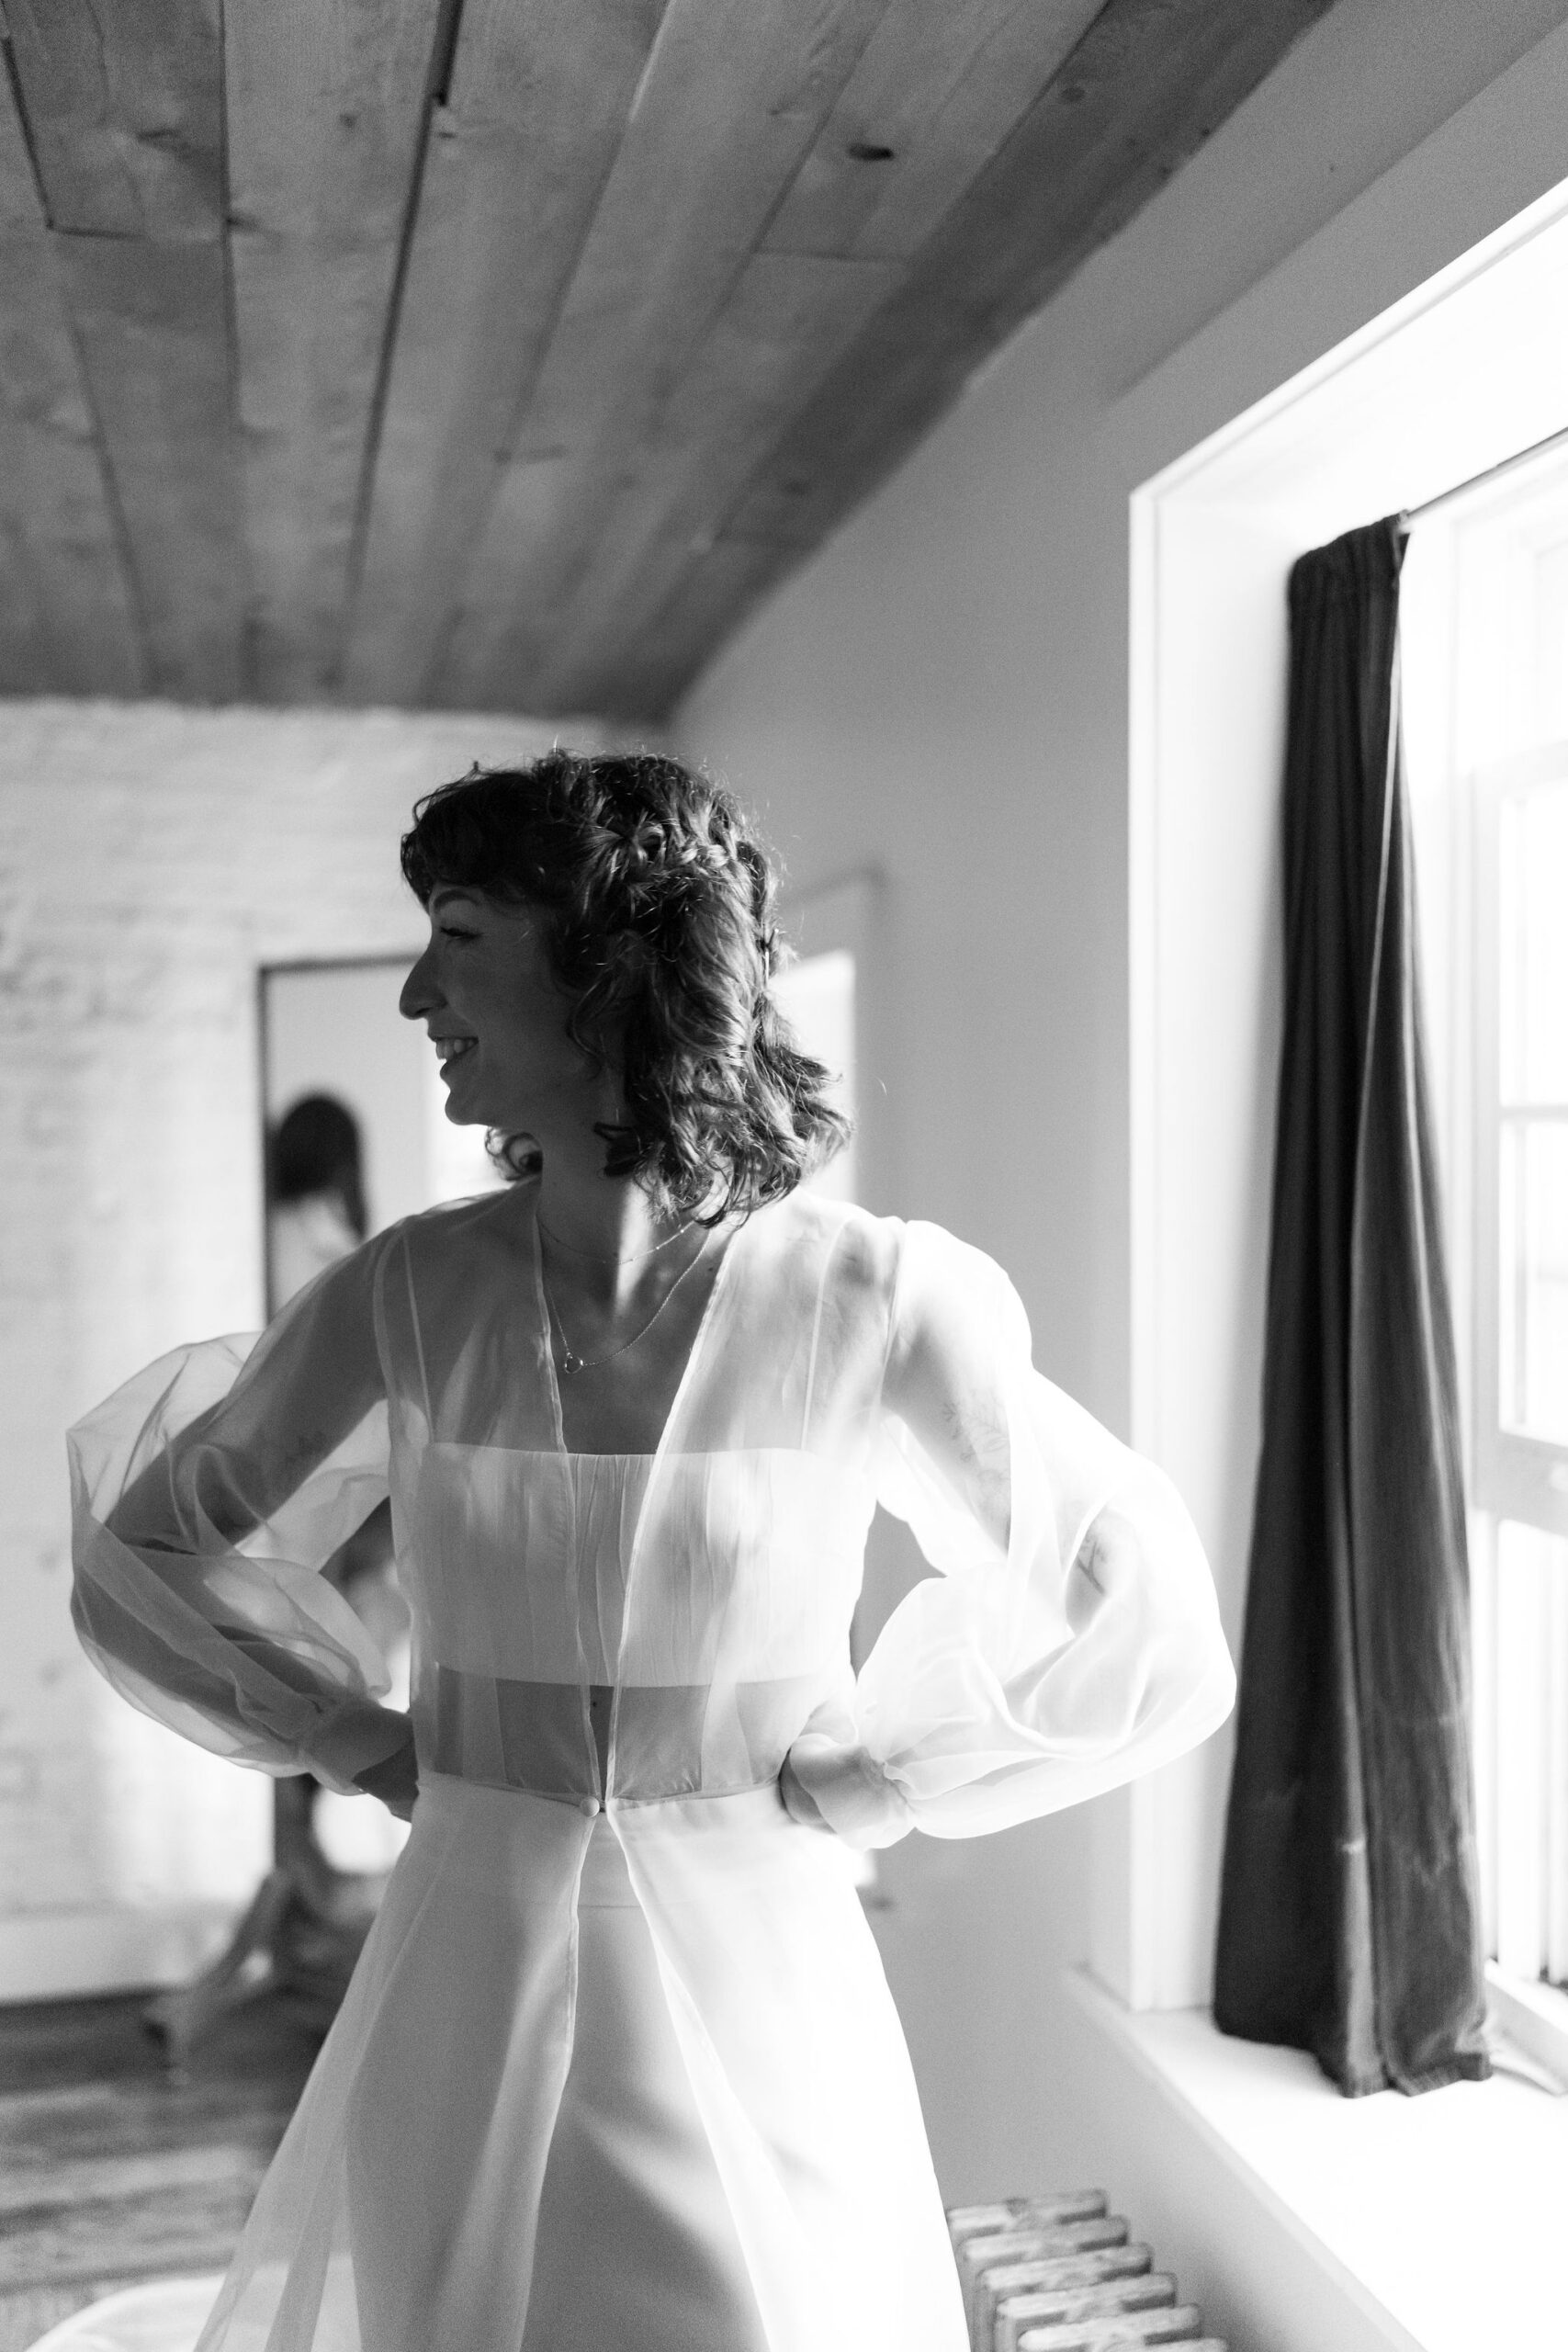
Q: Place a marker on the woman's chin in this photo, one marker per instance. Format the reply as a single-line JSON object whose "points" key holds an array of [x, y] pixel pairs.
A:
{"points": [[460, 1110]]}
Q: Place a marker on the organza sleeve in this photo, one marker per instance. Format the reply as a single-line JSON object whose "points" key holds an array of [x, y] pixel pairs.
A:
{"points": [[206, 1493], [1072, 1638]]}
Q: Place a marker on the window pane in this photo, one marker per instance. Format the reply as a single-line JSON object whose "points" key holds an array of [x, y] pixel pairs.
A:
{"points": [[1533, 1322], [1531, 1761], [1533, 937]]}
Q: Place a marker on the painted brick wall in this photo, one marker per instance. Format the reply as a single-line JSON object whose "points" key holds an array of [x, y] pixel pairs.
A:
{"points": [[150, 859]]}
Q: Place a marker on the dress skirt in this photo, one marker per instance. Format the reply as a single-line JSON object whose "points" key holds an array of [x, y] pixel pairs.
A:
{"points": [[629, 2079], [664, 2267]]}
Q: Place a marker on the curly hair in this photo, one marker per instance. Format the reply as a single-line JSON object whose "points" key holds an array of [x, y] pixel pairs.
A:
{"points": [[659, 900]]}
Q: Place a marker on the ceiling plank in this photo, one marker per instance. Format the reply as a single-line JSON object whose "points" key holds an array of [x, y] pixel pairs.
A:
{"points": [[789, 319], [537, 103], [326, 109], [679, 212], [123, 110], [1100, 141], [929, 102], [150, 322], [67, 624], [717, 592]]}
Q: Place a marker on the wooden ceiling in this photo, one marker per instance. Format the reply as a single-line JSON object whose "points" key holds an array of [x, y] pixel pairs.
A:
{"points": [[500, 354]]}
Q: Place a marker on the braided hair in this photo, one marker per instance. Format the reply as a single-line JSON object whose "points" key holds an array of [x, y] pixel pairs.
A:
{"points": [[660, 903]]}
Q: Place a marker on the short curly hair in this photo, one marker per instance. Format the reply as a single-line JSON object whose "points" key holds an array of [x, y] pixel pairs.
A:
{"points": [[659, 901]]}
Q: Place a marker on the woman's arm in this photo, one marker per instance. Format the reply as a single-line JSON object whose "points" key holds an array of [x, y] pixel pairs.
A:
{"points": [[1072, 1638], [207, 1493]]}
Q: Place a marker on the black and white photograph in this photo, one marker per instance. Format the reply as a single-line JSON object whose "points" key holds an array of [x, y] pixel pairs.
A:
{"points": [[783, 1141]]}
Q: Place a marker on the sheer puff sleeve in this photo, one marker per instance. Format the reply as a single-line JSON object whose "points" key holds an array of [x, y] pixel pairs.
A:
{"points": [[1072, 1638], [206, 1493]]}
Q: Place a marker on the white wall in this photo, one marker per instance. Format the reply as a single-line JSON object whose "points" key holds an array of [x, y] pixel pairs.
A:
{"points": [[943, 693], [150, 860]]}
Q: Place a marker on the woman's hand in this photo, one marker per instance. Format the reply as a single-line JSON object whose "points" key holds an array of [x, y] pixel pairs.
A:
{"points": [[837, 1786], [796, 1803], [395, 1780]]}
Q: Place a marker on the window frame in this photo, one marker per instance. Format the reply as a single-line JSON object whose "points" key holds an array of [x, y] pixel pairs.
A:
{"points": [[1520, 1715]]}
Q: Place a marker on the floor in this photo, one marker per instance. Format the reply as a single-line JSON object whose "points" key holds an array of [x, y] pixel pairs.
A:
{"points": [[113, 2170]]}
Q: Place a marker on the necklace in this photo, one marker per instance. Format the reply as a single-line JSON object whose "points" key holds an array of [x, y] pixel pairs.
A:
{"points": [[571, 1363], [618, 1257]]}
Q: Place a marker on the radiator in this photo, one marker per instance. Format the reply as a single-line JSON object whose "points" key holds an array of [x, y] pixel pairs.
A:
{"points": [[1062, 2273]]}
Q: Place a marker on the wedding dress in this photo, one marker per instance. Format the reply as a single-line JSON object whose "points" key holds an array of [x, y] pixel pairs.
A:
{"points": [[618, 2063]]}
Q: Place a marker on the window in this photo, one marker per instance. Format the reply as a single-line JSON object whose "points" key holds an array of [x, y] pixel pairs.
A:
{"points": [[1486, 707]]}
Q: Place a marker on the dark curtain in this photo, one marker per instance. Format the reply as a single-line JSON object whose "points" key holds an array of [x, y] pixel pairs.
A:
{"points": [[1350, 1917]]}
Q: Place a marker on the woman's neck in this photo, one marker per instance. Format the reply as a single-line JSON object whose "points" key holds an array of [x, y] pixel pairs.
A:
{"points": [[603, 1233]]}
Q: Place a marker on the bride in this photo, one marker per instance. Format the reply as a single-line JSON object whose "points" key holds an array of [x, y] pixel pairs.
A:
{"points": [[618, 2063]]}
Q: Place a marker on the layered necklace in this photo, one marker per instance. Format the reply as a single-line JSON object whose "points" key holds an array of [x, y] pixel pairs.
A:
{"points": [[571, 1362]]}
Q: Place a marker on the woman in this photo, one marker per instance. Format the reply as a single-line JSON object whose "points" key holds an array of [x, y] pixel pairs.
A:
{"points": [[618, 2065]]}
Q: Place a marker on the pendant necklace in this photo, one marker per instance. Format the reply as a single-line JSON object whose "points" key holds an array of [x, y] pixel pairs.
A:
{"points": [[571, 1363]]}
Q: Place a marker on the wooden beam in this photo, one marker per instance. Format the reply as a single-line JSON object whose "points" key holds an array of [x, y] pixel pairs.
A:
{"points": [[123, 109], [734, 95], [326, 109], [537, 102], [66, 621]]}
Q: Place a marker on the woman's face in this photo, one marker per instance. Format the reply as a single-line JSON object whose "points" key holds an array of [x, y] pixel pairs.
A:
{"points": [[484, 990]]}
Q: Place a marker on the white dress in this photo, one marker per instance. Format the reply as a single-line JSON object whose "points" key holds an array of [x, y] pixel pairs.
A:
{"points": [[618, 2063]]}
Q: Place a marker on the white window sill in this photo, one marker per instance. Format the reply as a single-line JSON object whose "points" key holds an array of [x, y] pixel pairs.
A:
{"points": [[1533, 2017], [1440, 2217]]}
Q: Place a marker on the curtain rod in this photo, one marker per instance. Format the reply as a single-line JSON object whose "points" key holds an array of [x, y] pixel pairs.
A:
{"points": [[1487, 473]]}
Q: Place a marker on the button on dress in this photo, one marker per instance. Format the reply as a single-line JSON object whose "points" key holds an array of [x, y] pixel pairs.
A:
{"points": [[618, 2063]]}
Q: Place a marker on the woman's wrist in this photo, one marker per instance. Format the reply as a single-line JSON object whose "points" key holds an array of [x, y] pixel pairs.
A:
{"points": [[839, 1786], [394, 1779], [352, 1737], [798, 1803]]}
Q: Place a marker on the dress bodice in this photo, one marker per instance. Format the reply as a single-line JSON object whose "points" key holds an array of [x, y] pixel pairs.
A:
{"points": [[607, 1492], [517, 1566]]}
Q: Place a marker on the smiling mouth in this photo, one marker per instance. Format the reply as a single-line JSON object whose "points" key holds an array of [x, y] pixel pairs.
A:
{"points": [[452, 1049]]}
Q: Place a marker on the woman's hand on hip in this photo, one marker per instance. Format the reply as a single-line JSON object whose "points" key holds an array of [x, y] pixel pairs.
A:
{"points": [[395, 1780]]}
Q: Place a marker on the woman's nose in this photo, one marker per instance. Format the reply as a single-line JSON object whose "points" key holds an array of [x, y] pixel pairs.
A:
{"points": [[417, 996]]}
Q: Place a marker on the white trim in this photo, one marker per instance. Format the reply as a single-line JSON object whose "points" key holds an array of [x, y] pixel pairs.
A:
{"points": [[1301, 2218], [1534, 2015], [1152, 2052]]}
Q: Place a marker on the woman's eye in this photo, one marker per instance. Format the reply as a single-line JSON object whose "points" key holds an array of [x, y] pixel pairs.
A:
{"points": [[447, 931]]}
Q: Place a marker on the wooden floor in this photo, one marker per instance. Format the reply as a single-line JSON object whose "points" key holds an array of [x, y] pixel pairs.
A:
{"points": [[110, 2170]]}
